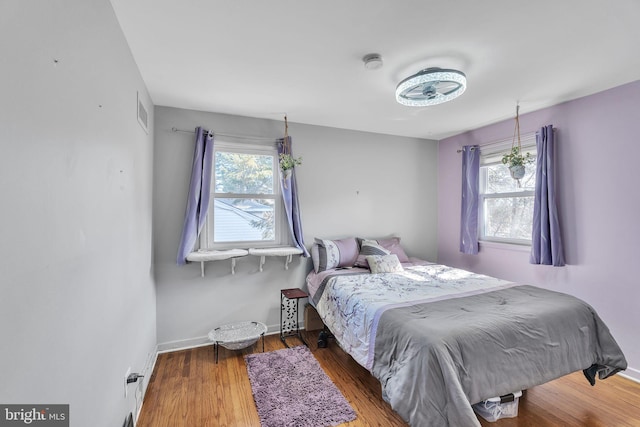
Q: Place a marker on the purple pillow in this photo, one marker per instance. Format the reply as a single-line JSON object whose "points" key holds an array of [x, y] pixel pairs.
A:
{"points": [[393, 245], [369, 247], [334, 253]]}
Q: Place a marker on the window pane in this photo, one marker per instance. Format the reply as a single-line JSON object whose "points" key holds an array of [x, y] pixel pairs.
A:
{"points": [[243, 220], [508, 218], [243, 173], [499, 179]]}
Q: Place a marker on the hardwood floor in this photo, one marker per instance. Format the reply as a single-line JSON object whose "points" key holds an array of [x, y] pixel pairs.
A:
{"points": [[188, 389]]}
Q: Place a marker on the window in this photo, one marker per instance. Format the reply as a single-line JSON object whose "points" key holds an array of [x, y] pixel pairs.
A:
{"points": [[506, 207], [245, 208]]}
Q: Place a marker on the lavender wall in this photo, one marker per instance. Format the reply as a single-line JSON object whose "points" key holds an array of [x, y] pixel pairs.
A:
{"points": [[597, 141]]}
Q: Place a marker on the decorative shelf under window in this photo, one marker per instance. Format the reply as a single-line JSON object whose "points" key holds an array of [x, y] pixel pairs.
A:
{"points": [[286, 251], [205, 255]]}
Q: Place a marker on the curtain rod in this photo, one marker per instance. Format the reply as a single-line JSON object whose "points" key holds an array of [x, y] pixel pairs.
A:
{"points": [[229, 135], [528, 135]]}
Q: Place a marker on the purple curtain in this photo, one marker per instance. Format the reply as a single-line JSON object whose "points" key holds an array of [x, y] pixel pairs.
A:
{"points": [[290, 197], [470, 189], [546, 243], [198, 201]]}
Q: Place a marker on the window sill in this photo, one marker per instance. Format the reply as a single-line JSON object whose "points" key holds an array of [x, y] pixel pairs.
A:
{"points": [[505, 246], [206, 255], [287, 251]]}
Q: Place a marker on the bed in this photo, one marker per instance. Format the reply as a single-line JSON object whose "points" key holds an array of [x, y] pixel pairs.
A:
{"points": [[440, 339]]}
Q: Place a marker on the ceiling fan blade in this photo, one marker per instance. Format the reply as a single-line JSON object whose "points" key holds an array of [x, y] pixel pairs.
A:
{"points": [[416, 91], [445, 88]]}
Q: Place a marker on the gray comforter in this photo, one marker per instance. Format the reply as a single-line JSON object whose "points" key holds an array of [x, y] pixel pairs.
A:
{"points": [[436, 359]]}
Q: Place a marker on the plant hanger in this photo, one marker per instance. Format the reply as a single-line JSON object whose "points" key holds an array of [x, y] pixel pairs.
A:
{"points": [[516, 130], [286, 149], [515, 160]]}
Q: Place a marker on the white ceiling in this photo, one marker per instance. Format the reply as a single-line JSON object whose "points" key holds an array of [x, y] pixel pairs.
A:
{"points": [[263, 59]]}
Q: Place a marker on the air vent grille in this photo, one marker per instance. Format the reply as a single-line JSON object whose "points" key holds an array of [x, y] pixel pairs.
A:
{"points": [[143, 115]]}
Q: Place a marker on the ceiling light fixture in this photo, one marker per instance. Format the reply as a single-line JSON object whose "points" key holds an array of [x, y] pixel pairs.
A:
{"points": [[431, 86], [372, 61]]}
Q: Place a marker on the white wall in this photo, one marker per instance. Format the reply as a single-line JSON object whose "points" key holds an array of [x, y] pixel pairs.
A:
{"points": [[77, 301], [598, 204], [351, 184]]}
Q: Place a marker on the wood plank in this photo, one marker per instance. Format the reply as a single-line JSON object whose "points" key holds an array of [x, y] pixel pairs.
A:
{"points": [[188, 389]]}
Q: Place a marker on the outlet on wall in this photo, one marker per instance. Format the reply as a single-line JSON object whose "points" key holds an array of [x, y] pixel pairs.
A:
{"points": [[126, 389]]}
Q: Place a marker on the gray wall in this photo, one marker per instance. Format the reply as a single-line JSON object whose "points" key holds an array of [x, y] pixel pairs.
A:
{"points": [[351, 184], [77, 301]]}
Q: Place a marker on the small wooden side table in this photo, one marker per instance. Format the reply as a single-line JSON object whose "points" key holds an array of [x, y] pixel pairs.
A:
{"points": [[289, 322]]}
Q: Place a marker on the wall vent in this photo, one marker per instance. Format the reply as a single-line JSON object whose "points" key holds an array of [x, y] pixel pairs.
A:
{"points": [[143, 115]]}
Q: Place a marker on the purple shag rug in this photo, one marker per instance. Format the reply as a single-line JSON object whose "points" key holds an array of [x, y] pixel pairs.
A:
{"points": [[291, 389]]}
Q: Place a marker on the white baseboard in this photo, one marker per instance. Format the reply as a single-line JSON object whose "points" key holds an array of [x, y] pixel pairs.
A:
{"points": [[183, 344], [631, 374], [147, 371], [150, 366], [188, 343]]}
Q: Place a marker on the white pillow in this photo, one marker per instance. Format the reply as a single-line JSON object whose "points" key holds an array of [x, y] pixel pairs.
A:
{"points": [[384, 263]]}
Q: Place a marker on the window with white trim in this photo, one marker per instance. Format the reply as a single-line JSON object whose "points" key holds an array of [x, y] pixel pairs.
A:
{"points": [[505, 204], [245, 208]]}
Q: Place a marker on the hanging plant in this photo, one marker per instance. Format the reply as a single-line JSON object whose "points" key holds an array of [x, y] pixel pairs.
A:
{"points": [[288, 162], [516, 162], [515, 159]]}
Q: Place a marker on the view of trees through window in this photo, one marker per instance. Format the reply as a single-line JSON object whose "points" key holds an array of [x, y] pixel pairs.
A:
{"points": [[506, 204], [243, 173], [244, 197]]}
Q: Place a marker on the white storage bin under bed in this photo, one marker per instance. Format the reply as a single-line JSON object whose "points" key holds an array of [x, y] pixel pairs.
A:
{"points": [[499, 407]]}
